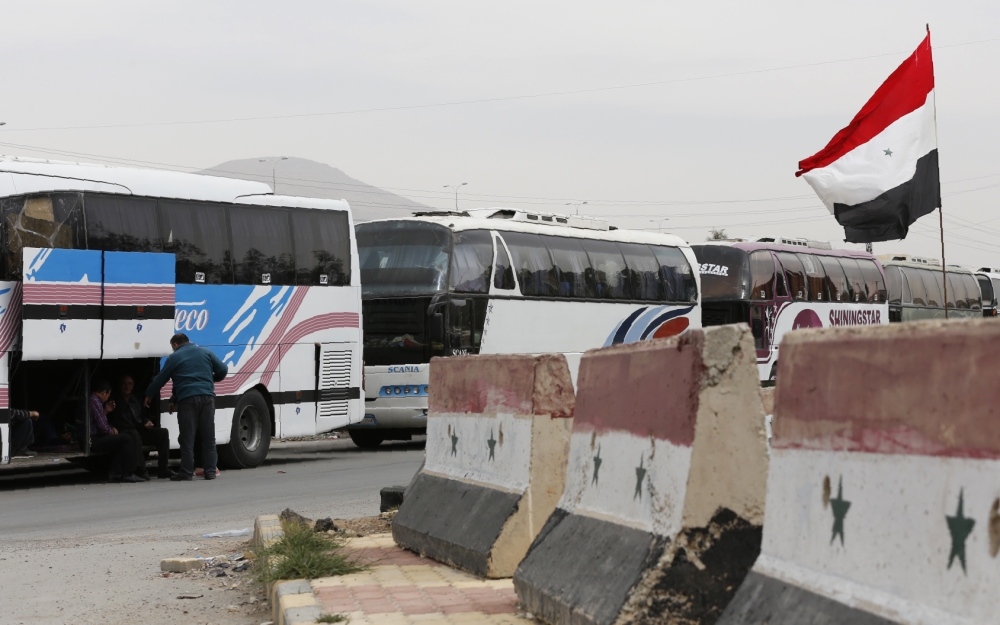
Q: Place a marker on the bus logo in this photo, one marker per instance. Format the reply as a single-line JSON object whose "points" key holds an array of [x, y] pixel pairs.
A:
{"points": [[190, 320], [713, 270]]}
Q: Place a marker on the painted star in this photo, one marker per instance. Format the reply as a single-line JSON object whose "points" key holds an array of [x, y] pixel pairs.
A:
{"points": [[492, 443], [888, 152], [840, 508], [640, 473], [960, 527], [597, 464], [454, 443]]}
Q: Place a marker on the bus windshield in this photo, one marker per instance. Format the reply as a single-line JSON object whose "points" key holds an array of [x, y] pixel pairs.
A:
{"points": [[725, 272], [403, 257]]}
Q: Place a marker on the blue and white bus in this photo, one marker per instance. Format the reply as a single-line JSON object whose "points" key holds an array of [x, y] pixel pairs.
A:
{"points": [[101, 265]]}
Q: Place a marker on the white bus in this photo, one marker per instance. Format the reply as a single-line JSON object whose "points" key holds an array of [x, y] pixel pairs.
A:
{"points": [[504, 281], [916, 289], [101, 265], [777, 288]]}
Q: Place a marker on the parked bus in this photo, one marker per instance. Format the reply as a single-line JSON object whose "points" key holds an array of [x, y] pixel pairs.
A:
{"points": [[916, 289], [776, 288], [989, 287], [101, 265], [505, 281]]}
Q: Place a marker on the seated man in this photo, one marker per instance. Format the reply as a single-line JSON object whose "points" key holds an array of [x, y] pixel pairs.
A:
{"points": [[22, 432], [106, 439], [128, 419]]}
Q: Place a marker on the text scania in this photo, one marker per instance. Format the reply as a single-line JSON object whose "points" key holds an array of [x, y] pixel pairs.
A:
{"points": [[404, 369], [855, 317], [190, 319], [713, 270]]}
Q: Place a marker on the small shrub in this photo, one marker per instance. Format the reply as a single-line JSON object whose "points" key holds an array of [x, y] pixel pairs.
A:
{"points": [[304, 554], [332, 618]]}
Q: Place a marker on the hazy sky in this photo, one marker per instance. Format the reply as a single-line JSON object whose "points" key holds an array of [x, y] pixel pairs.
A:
{"points": [[692, 150]]}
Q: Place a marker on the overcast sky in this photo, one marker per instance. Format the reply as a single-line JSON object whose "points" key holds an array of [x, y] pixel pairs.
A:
{"points": [[694, 148]]}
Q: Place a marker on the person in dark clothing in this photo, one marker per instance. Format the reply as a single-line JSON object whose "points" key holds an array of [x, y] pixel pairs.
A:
{"points": [[128, 418], [22, 432], [194, 370], [106, 439]]}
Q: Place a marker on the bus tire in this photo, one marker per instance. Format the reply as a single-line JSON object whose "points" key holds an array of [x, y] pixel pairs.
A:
{"points": [[366, 439], [774, 373], [250, 438]]}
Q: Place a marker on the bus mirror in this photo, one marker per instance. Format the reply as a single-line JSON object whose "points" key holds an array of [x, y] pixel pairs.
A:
{"points": [[436, 329]]}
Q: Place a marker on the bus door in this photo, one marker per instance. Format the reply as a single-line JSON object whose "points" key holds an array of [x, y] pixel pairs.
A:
{"points": [[138, 304], [61, 310], [763, 306]]}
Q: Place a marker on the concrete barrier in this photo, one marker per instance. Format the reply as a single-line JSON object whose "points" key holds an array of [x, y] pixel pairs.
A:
{"points": [[660, 518], [882, 497], [498, 433]]}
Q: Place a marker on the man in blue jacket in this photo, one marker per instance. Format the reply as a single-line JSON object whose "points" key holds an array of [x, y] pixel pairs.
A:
{"points": [[194, 370]]}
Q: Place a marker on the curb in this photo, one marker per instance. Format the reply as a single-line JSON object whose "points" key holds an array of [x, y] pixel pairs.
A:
{"points": [[292, 602]]}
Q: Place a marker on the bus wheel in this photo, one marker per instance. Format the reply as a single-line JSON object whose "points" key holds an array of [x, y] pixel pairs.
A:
{"points": [[774, 373], [366, 439], [251, 435]]}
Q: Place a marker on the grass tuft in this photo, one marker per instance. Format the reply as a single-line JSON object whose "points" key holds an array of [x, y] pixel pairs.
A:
{"points": [[332, 618], [304, 554]]}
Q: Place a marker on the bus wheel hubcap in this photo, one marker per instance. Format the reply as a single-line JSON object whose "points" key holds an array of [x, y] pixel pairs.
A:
{"points": [[250, 428]]}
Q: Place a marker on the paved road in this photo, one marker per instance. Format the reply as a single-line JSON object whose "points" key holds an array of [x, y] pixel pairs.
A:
{"points": [[103, 542]]}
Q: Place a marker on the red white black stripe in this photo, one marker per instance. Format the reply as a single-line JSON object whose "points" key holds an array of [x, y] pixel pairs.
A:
{"points": [[880, 173]]}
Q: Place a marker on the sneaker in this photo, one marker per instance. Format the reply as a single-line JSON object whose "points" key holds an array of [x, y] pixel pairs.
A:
{"points": [[201, 472], [178, 477], [131, 478], [24, 453], [144, 476], [166, 474], [211, 476]]}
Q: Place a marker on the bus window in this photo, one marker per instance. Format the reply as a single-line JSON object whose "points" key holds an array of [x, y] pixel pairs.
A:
{"points": [[986, 290], [836, 279], [757, 326], [815, 278], [608, 269], [643, 271], [996, 287], [796, 275], [572, 265], [120, 223], [533, 264], [262, 246], [761, 275], [402, 257], [894, 282], [874, 282], [322, 247], [196, 233], [676, 276], [855, 279], [466, 318], [53, 221], [471, 262], [918, 294], [957, 297], [972, 288], [503, 274], [932, 286]]}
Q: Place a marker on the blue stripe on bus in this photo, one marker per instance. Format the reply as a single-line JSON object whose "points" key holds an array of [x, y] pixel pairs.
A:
{"points": [[138, 268], [58, 265], [625, 325]]}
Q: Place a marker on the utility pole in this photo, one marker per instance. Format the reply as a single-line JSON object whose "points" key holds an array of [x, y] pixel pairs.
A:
{"points": [[274, 164], [455, 187]]}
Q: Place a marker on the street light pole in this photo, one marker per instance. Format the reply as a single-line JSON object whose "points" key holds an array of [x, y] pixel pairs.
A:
{"points": [[274, 165], [659, 224], [577, 205], [455, 187]]}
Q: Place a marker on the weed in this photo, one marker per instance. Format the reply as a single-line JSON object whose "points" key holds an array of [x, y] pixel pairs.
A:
{"points": [[304, 554], [332, 618]]}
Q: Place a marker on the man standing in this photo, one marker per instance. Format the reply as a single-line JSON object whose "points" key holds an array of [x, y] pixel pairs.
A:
{"points": [[128, 418], [105, 439], [194, 370]]}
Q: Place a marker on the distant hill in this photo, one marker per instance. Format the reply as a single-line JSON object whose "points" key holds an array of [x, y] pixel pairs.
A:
{"points": [[300, 176]]}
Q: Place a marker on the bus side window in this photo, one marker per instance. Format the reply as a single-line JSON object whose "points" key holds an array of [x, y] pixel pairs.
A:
{"points": [[503, 273], [262, 246], [856, 280], [533, 264], [933, 286], [780, 288], [643, 271], [972, 289], [197, 234], [322, 247], [894, 281], [676, 275], [816, 278], [985, 290], [471, 262], [45, 221], [840, 288], [757, 326], [874, 282], [608, 269], [796, 275], [572, 267], [761, 275], [918, 295], [117, 223]]}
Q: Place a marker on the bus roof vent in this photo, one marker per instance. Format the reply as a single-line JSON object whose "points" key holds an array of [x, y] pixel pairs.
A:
{"points": [[989, 269], [796, 242], [910, 258], [440, 214], [535, 217]]}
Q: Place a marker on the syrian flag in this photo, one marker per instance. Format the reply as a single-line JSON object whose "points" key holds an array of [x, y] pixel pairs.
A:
{"points": [[880, 173]]}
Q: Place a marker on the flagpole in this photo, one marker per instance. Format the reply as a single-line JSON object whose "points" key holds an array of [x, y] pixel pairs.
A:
{"points": [[944, 263]]}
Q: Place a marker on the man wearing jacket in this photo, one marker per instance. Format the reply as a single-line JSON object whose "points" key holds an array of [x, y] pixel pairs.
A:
{"points": [[194, 370]]}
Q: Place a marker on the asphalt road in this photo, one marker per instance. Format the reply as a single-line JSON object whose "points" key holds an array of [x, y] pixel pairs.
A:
{"points": [[75, 550]]}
